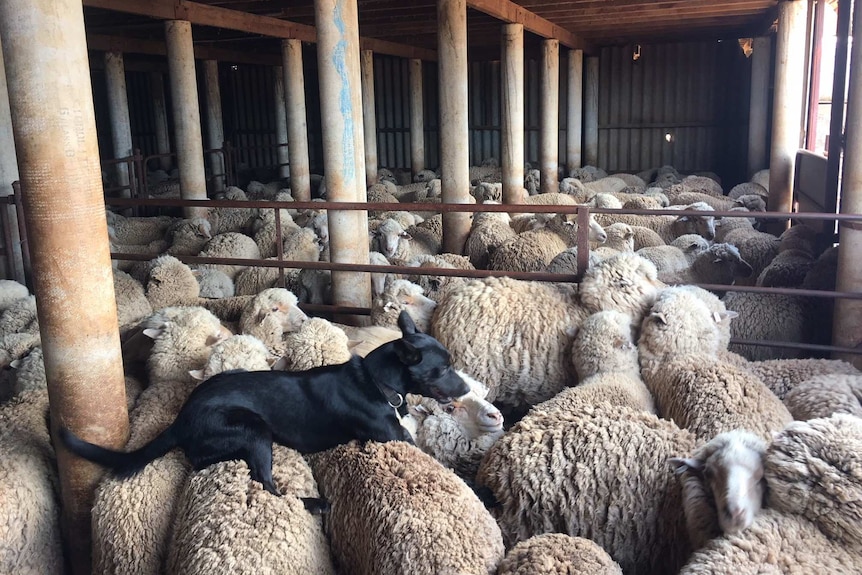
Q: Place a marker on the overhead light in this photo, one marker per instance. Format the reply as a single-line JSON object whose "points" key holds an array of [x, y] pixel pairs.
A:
{"points": [[637, 53], [668, 137]]}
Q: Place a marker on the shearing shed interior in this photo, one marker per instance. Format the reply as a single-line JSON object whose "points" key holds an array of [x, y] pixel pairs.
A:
{"points": [[430, 286]]}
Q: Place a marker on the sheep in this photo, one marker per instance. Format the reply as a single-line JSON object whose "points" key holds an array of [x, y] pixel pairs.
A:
{"points": [[825, 395], [516, 335], [261, 191], [677, 256], [605, 201], [645, 202], [20, 317], [230, 245], [669, 227], [253, 280], [138, 231], [488, 231], [811, 524], [225, 523], [646, 237], [188, 237], [459, 433], [783, 375], [756, 248], [588, 173], [606, 185], [233, 219], [619, 238], [393, 241], [692, 386], [132, 517], [10, 292], [13, 347], [718, 264], [551, 199], [724, 226], [271, 314], [787, 269], [379, 194], [534, 250], [265, 230], [801, 237], [631, 180], [566, 262], [29, 493], [171, 283], [316, 343], [532, 182], [402, 295], [132, 303], [394, 506], [560, 471], [214, 283], [697, 184], [558, 554], [768, 317]]}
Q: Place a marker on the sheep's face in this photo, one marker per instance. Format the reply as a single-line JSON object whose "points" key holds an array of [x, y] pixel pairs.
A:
{"points": [[475, 415], [678, 324], [291, 316], [700, 225], [736, 481], [388, 237]]}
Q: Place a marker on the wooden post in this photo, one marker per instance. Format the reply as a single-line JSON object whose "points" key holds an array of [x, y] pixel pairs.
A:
{"points": [[281, 152], [758, 106], [187, 115], [574, 109], [160, 113], [51, 101], [417, 119], [512, 72], [118, 110], [847, 325], [343, 149], [788, 106], [454, 129], [369, 116], [8, 174], [215, 125], [297, 127], [549, 91], [591, 113]]}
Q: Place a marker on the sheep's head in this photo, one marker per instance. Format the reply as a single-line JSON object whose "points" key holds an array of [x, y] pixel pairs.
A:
{"points": [[752, 202], [388, 236], [320, 225], [405, 295], [691, 245], [566, 226], [731, 469], [621, 236], [625, 282], [696, 224], [722, 264], [236, 352], [679, 323], [280, 304], [605, 342]]}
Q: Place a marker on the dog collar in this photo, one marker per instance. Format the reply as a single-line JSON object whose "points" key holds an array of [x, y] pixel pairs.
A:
{"points": [[392, 397]]}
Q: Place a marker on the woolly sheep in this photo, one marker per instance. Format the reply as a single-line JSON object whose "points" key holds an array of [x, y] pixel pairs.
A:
{"points": [[677, 256], [619, 238], [11, 291], [264, 229], [271, 314], [230, 245], [138, 231], [171, 283], [225, 523], [30, 537], [459, 433], [233, 219], [236, 352], [393, 241], [403, 295], [316, 343], [625, 282], [558, 554], [13, 347], [253, 280], [644, 202], [534, 250], [726, 225], [394, 506], [825, 395], [756, 248], [559, 471], [645, 237], [434, 286], [566, 262], [692, 386], [718, 264], [605, 201], [761, 178], [801, 237], [783, 375], [488, 231], [379, 194], [20, 317], [669, 227], [768, 317], [214, 283], [132, 303], [747, 189], [787, 269], [606, 185]]}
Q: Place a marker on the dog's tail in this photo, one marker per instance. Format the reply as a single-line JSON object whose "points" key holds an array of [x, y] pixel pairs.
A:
{"points": [[123, 464]]}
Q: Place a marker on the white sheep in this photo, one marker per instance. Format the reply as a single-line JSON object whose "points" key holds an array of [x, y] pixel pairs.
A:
{"points": [[229, 245], [825, 395], [669, 227], [783, 375], [11, 291], [233, 219], [316, 343], [132, 303], [393, 506], [402, 295], [692, 385], [214, 283], [768, 317], [488, 231], [394, 242], [677, 256], [138, 231], [558, 554], [20, 317], [271, 314], [719, 264]]}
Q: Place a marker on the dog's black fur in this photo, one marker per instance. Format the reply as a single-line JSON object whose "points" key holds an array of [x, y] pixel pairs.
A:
{"points": [[237, 415]]}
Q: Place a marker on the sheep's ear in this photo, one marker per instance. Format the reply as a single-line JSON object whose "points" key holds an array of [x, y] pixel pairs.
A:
{"points": [[15, 364], [683, 219], [153, 333], [196, 273], [197, 374], [417, 410], [405, 235], [407, 352], [278, 364], [405, 324], [681, 464], [659, 316]]}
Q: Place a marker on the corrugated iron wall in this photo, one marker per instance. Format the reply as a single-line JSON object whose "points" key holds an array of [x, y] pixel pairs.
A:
{"points": [[682, 104], [248, 108]]}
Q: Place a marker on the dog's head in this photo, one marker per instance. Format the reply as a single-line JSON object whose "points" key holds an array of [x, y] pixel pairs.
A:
{"points": [[428, 363]]}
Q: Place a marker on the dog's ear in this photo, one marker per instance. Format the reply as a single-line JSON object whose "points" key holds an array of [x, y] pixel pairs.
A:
{"points": [[407, 352], [197, 374], [405, 323]]}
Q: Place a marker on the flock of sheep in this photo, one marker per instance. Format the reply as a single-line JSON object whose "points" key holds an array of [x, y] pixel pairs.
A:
{"points": [[637, 438]]}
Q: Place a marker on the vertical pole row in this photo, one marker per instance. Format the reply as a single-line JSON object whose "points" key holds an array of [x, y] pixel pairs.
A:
{"points": [[118, 111], [513, 113], [417, 119], [550, 119], [369, 117], [9, 174], [297, 128], [591, 113], [574, 109], [215, 125]]}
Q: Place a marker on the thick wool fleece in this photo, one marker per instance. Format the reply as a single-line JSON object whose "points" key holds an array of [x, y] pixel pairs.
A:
{"points": [[625, 282], [512, 334], [396, 510], [825, 395], [776, 544], [814, 469], [558, 554], [782, 375], [317, 343], [227, 524], [565, 472]]}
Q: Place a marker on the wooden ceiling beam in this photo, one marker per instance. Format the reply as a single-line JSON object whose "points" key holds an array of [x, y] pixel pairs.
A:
{"points": [[206, 15], [510, 12], [542, 7], [105, 43]]}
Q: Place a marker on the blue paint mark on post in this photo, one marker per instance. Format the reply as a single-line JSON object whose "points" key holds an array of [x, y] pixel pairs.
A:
{"points": [[339, 60]]}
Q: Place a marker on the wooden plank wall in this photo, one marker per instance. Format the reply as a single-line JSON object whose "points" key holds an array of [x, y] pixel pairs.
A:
{"points": [[697, 92]]}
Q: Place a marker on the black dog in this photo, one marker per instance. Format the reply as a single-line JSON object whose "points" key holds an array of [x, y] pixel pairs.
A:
{"points": [[237, 415]]}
